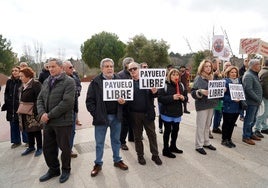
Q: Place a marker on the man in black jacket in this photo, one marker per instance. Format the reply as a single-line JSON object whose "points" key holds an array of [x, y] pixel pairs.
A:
{"points": [[126, 123], [105, 114], [142, 115], [69, 70]]}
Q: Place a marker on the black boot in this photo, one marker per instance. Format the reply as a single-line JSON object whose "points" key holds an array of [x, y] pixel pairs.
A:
{"points": [[174, 136], [175, 149], [167, 153]]}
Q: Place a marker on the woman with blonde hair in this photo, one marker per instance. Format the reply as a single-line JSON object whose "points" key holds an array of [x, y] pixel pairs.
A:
{"points": [[204, 106], [231, 108]]}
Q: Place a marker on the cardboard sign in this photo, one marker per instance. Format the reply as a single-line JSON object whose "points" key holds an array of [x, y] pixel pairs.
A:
{"points": [[263, 49], [249, 45], [150, 78], [237, 92], [216, 89], [115, 89]]}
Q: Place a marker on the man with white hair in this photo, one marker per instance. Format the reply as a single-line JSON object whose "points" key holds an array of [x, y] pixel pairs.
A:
{"points": [[23, 65], [69, 69], [253, 93]]}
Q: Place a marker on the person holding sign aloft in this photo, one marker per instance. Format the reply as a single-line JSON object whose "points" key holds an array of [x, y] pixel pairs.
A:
{"points": [[171, 98], [231, 108], [204, 106]]}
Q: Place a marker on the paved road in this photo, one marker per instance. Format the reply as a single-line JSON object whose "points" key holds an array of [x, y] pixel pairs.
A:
{"points": [[244, 166]]}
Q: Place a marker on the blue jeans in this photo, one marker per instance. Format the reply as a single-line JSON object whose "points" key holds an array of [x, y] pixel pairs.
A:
{"points": [[249, 120], [261, 121], [217, 119], [15, 133], [100, 133]]}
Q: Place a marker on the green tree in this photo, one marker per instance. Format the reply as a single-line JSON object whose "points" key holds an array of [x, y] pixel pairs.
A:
{"points": [[154, 52], [200, 56], [7, 57], [102, 45]]}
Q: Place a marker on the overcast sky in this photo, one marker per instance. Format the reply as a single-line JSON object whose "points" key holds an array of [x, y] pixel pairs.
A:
{"points": [[61, 26]]}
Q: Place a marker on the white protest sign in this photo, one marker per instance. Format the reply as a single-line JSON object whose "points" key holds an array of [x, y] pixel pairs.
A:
{"points": [[115, 89], [150, 78], [237, 92], [218, 45], [216, 89]]}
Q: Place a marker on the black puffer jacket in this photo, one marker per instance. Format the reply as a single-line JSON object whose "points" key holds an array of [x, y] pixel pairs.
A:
{"points": [[12, 99], [171, 107]]}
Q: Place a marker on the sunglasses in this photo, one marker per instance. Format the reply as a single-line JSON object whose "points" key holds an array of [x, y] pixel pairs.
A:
{"points": [[132, 69]]}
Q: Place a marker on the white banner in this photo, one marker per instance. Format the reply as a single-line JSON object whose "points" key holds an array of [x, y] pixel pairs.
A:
{"points": [[115, 89], [216, 89], [218, 45], [150, 78], [237, 92], [226, 54]]}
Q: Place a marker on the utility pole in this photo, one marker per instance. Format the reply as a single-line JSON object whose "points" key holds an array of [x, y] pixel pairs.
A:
{"points": [[228, 42], [188, 44]]}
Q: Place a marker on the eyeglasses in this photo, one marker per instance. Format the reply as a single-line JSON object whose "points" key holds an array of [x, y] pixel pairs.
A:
{"points": [[132, 69], [71, 67]]}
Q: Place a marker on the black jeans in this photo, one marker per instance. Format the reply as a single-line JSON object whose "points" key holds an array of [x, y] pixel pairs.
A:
{"points": [[126, 129], [55, 138], [139, 122], [228, 125], [31, 139], [171, 130]]}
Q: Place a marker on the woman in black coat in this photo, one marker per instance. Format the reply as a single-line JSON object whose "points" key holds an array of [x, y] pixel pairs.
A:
{"points": [[171, 98], [29, 93], [11, 104]]}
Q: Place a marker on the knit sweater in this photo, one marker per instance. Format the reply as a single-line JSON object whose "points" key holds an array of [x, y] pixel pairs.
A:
{"points": [[201, 101]]}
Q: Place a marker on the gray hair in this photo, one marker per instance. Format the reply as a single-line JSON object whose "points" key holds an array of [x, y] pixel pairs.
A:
{"points": [[126, 61], [106, 60], [58, 61], [253, 62], [67, 62], [136, 64]]}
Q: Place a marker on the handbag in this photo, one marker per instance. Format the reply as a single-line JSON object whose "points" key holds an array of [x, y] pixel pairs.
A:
{"points": [[25, 108]]}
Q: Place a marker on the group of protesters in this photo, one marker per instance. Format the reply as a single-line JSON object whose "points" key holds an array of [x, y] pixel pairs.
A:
{"points": [[54, 100]]}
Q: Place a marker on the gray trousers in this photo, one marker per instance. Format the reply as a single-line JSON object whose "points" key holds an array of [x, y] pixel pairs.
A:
{"points": [[203, 122]]}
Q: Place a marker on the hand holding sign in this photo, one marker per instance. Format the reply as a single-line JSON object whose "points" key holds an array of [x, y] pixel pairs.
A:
{"points": [[121, 101], [203, 92], [216, 89]]}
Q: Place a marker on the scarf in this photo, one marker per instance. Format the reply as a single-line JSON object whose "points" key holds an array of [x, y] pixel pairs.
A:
{"points": [[235, 81], [206, 76]]}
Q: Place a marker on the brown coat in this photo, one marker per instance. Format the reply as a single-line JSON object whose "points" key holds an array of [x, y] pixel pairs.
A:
{"points": [[30, 94]]}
